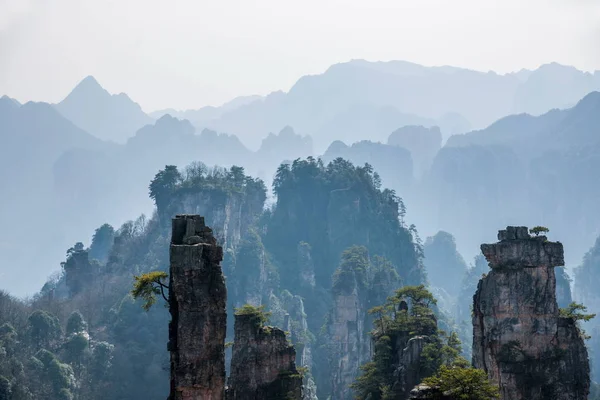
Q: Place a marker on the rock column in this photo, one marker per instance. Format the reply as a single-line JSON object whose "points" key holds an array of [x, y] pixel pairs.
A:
{"points": [[263, 365], [519, 339], [197, 303]]}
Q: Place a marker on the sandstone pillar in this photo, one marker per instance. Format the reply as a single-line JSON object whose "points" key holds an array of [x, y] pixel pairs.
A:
{"points": [[197, 303], [519, 339]]}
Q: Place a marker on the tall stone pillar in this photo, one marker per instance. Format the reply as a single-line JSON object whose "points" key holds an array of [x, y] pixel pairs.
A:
{"points": [[197, 303], [519, 337]]}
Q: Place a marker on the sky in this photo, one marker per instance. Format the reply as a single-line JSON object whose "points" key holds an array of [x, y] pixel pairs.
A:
{"points": [[190, 53]]}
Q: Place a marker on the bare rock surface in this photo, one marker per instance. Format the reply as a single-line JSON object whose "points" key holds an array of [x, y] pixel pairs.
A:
{"points": [[263, 365], [519, 339], [197, 299]]}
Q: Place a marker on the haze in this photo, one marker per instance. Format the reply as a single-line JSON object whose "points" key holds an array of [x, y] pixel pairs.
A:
{"points": [[187, 54]]}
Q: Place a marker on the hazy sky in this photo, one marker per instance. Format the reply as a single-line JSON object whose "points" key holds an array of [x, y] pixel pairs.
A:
{"points": [[190, 53]]}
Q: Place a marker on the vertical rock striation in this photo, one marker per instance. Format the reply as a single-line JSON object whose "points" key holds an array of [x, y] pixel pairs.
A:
{"points": [[519, 339], [197, 300], [407, 364], [263, 366], [349, 344]]}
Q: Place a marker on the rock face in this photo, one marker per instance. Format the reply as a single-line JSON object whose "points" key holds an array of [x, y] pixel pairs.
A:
{"points": [[349, 342], [519, 339], [422, 392], [263, 365], [407, 361], [230, 215], [197, 300]]}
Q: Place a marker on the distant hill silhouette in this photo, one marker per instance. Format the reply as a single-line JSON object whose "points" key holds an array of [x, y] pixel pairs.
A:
{"points": [[522, 169], [453, 98], [423, 144], [107, 116], [530, 136], [352, 101], [204, 114], [32, 137]]}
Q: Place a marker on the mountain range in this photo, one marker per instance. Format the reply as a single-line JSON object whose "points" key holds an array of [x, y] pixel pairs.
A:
{"points": [[365, 100], [88, 160]]}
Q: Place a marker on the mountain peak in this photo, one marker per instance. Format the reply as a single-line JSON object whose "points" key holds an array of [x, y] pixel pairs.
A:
{"points": [[106, 116], [589, 104], [6, 101], [89, 86]]}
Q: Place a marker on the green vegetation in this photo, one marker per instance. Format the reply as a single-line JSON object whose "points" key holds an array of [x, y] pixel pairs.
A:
{"points": [[258, 314], [407, 314], [464, 383], [331, 208], [163, 185], [352, 271], [148, 286], [283, 257], [577, 312]]}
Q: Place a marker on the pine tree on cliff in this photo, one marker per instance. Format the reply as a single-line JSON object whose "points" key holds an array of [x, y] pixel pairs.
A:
{"points": [[406, 315], [163, 185]]}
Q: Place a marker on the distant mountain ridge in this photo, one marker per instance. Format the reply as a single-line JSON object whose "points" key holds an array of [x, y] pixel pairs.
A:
{"points": [[113, 117], [427, 94], [200, 116], [352, 101], [521, 169], [530, 135]]}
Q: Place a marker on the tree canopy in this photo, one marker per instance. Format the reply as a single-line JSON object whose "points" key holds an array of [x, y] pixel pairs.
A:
{"points": [[148, 286], [463, 383]]}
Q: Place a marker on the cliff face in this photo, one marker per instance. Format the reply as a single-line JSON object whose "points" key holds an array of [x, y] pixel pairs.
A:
{"points": [[407, 364], [197, 299], [263, 365], [518, 337], [348, 340], [230, 214], [298, 328]]}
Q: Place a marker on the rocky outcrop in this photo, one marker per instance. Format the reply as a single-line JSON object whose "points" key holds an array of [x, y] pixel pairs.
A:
{"points": [[422, 392], [407, 371], [302, 339], [197, 303], [231, 214], [263, 365], [519, 339], [349, 345], [306, 265]]}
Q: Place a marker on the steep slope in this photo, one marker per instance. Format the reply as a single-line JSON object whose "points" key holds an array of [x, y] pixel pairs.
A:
{"points": [[553, 86], [531, 136], [106, 116]]}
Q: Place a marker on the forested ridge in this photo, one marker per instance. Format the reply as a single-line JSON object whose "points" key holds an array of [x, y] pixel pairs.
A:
{"points": [[83, 331]]}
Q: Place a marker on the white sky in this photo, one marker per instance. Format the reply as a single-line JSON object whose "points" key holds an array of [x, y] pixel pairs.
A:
{"points": [[190, 53]]}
